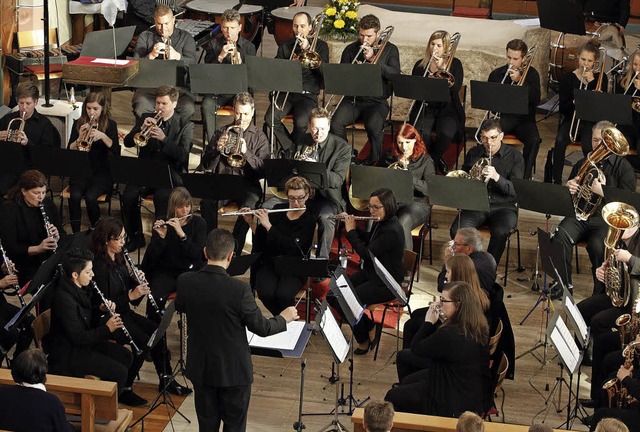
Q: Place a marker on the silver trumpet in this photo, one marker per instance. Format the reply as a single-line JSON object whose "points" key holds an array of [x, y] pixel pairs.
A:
{"points": [[141, 280], [15, 288]]}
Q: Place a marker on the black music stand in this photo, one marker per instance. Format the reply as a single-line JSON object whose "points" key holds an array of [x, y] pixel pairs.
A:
{"points": [[612, 194], [594, 106], [564, 16], [154, 73], [61, 162], [240, 264], [14, 158], [278, 171], [216, 188], [100, 43], [458, 193], [367, 179], [303, 267], [502, 98], [421, 89], [274, 75]]}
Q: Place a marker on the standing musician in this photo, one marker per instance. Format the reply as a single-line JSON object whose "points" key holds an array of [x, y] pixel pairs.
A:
{"points": [[219, 309], [169, 140], [117, 285], [585, 78], [523, 126], [228, 47], [282, 234], [298, 104], [96, 133], [372, 111], [252, 146], [165, 42], [410, 153], [446, 119], [505, 164], [386, 242], [618, 173], [26, 237], [176, 247], [630, 84], [319, 145], [37, 129]]}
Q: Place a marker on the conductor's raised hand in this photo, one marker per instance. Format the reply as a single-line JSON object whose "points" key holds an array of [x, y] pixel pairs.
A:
{"points": [[290, 314]]}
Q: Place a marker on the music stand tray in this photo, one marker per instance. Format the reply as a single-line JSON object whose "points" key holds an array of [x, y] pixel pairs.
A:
{"points": [[502, 98], [154, 73], [240, 264], [367, 179], [274, 74], [283, 353], [100, 43], [218, 79], [557, 199], [564, 16], [13, 159], [420, 88], [612, 194], [298, 266], [458, 193], [140, 172], [357, 80], [215, 186], [61, 162], [278, 171]]}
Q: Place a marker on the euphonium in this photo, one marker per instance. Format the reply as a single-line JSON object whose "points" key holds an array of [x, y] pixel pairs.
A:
{"points": [[309, 153], [86, 140], [585, 202], [141, 139], [618, 395], [310, 59], [13, 134], [619, 216], [232, 150]]}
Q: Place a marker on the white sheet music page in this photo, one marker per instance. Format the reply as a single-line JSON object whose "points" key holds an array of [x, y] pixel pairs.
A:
{"points": [[565, 345], [396, 286], [572, 310], [285, 340], [334, 335], [349, 297]]}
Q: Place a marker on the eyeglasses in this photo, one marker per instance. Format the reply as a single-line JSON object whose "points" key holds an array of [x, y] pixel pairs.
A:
{"points": [[297, 199], [374, 207], [444, 300], [486, 139]]}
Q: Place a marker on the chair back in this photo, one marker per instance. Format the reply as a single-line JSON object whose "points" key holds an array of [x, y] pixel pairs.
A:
{"points": [[41, 326], [502, 371], [493, 342]]}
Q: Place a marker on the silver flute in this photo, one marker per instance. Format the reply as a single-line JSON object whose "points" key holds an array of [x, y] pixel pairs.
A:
{"points": [[45, 218], [251, 212], [10, 272], [339, 217], [141, 280], [164, 224], [94, 285]]}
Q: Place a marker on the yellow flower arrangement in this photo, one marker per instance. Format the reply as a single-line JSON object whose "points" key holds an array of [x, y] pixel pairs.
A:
{"points": [[351, 14], [341, 19], [338, 24], [331, 11]]}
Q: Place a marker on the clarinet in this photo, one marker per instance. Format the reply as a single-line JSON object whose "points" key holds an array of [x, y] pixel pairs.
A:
{"points": [[140, 280], [46, 223], [10, 272], [94, 285]]}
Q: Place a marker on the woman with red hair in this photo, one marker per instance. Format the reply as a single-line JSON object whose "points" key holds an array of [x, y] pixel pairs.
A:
{"points": [[410, 153]]}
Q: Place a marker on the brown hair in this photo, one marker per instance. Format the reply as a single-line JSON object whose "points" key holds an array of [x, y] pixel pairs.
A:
{"points": [[220, 243], [162, 10], [179, 197], [29, 179], [518, 45], [491, 124], [106, 229], [167, 90], [231, 15], [370, 22], [243, 98], [298, 183], [469, 422], [27, 90], [464, 270], [378, 416], [99, 98], [469, 315], [320, 113], [446, 45], [592, 46], [388, 200]]}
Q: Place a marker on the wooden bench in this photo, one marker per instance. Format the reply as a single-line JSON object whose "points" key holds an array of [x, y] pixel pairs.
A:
{"points": [[403, 422], [90, 399]]}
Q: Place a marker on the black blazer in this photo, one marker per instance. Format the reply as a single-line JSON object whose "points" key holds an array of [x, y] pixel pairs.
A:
{"points": [[26, 409], [218, 309]]}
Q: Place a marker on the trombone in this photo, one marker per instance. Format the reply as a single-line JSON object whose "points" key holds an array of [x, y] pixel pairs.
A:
{"points": [[13, 135], [141, 139], [575, 122]]}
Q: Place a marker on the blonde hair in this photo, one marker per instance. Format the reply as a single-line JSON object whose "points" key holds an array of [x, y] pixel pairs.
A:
{"points": [[463, 269], [446, 45], [469, 422], [626, 80], [611, 425]]}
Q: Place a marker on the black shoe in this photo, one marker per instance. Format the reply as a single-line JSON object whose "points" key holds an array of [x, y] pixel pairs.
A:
{"points": [[442, 166], [136, 242], [555, 291], [128, 397], [587, 403], [363, 351], [175, 388], [587, 420]]}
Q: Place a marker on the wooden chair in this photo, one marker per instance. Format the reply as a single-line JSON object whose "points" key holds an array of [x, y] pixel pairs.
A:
{"points": [[41, 326], [502, 373], [104, 198], [493, 341]]}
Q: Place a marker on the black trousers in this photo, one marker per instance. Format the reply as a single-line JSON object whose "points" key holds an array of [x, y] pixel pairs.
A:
{"points": [[563, 140], [500, 222], [411, 216], [106, 360], [277, 291], [209, 107], [603, 345], [527, 132], [408, 364], [593, 230], [412, 326], [371, 113], [599, 314], [323, 208], [162, 283], [411, 398], [300, 106], [130, 205], [228, 405], [90, 190], [445, 125]]}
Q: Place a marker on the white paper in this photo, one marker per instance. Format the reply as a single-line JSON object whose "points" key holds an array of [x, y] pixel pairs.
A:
{"points": [[348, 295], [110, 61], [565, 345], [334, 335], [529, 22], [576, 317], [285, 340], [399, 292]]}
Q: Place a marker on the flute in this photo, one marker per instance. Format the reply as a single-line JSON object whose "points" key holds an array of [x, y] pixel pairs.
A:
{"points": [[340, 217], [164, 224], [94, 285], [251, 212], [140, 280]]}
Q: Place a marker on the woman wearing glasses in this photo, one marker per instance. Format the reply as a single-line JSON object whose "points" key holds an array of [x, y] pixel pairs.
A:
{"points": [[282, 234], [458, 373]]}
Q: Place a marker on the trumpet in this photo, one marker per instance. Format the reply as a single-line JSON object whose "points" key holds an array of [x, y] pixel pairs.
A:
{"points": [[13, 134], [15, 288], [164, 224], [166, 40], [45, 219], [234, 54], [340, 217], [252, 212], [137, 275], [232, 149], [141, 139], [86, 140]]}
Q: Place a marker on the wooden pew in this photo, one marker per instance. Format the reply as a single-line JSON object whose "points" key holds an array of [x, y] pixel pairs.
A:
{"points": [[404, 422], [90, 399]]}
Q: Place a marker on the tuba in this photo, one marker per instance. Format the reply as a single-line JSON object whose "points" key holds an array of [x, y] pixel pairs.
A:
{"points": [[618, 395], [13, 133], [619, 216], [141, 139], [585, 202], [232, 150], [86, 140]]}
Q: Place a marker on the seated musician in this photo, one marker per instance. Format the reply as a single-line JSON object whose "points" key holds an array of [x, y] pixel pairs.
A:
{"points": [[78, 344], [457, 377], [176, 247], [618, 173], [222, 50], [26, 237], [505, 164], [584, 77], [625, 418], [96, 126], [319, 145], [298, 104], [252, 146], [371, 111], [169, 140], [445, 119], [20, 336], [523, 126], [609, 11], [410, 153], [113, 279], [164, 41], [37, 130], [282, 234], [630, 85], [385, 241]]}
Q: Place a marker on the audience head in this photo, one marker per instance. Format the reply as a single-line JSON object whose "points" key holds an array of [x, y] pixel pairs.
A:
{"points": [[77, 265], [470, 422], [383, 204], [219, 246], [30, 367], [180, 203], [378, 416], [463, 308], [30, 190], [409, 141], [611, 425]]}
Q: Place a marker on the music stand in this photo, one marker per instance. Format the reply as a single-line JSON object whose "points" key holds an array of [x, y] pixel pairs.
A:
{"points": [[594, 106], [61, 162], [140, 172], [278, 171], [14, 158], [502, 98], [420, 89], [153, 73], [342, 289], [274, 75], [100, 43], [458, 193], [216, 188], [367, 179], [564, 16], [240, 264], [612, 194]]}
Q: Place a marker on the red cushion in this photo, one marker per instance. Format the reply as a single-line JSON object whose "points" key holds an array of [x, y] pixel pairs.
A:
{"points": [[470, 12]]}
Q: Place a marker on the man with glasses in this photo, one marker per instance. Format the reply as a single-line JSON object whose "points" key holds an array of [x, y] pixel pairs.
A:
{"points": [[505, 165]]}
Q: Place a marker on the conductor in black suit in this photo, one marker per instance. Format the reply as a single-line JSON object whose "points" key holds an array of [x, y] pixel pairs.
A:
{"points": [[219, 362]]}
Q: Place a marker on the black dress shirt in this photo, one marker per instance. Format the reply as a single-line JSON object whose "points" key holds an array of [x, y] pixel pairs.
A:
{"points": [[311, 78], [245, 48], [99, 153], [419, 169], [532, 82], [568, 83], [31, 409], [38, 128], [181, 41], [389, 63]]}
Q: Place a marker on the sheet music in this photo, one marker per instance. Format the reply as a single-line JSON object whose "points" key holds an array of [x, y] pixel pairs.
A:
{"points": [[334, 336], [110, 61], [349, 296], [565, 345], [528, 22], [576, 317], [285, 340], [399, 292]]}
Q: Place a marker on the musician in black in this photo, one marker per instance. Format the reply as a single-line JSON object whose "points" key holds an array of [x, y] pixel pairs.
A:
{"points": [[372, 111], [221, 51], [252, 145], [96, 125], [523, 126], [630, 84], [618, 173], [169, 141], [446, 119], [298, 104], [609, 11], [503, 164], [26, 238], [20, 336], [165, 41], [38, 129]]}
